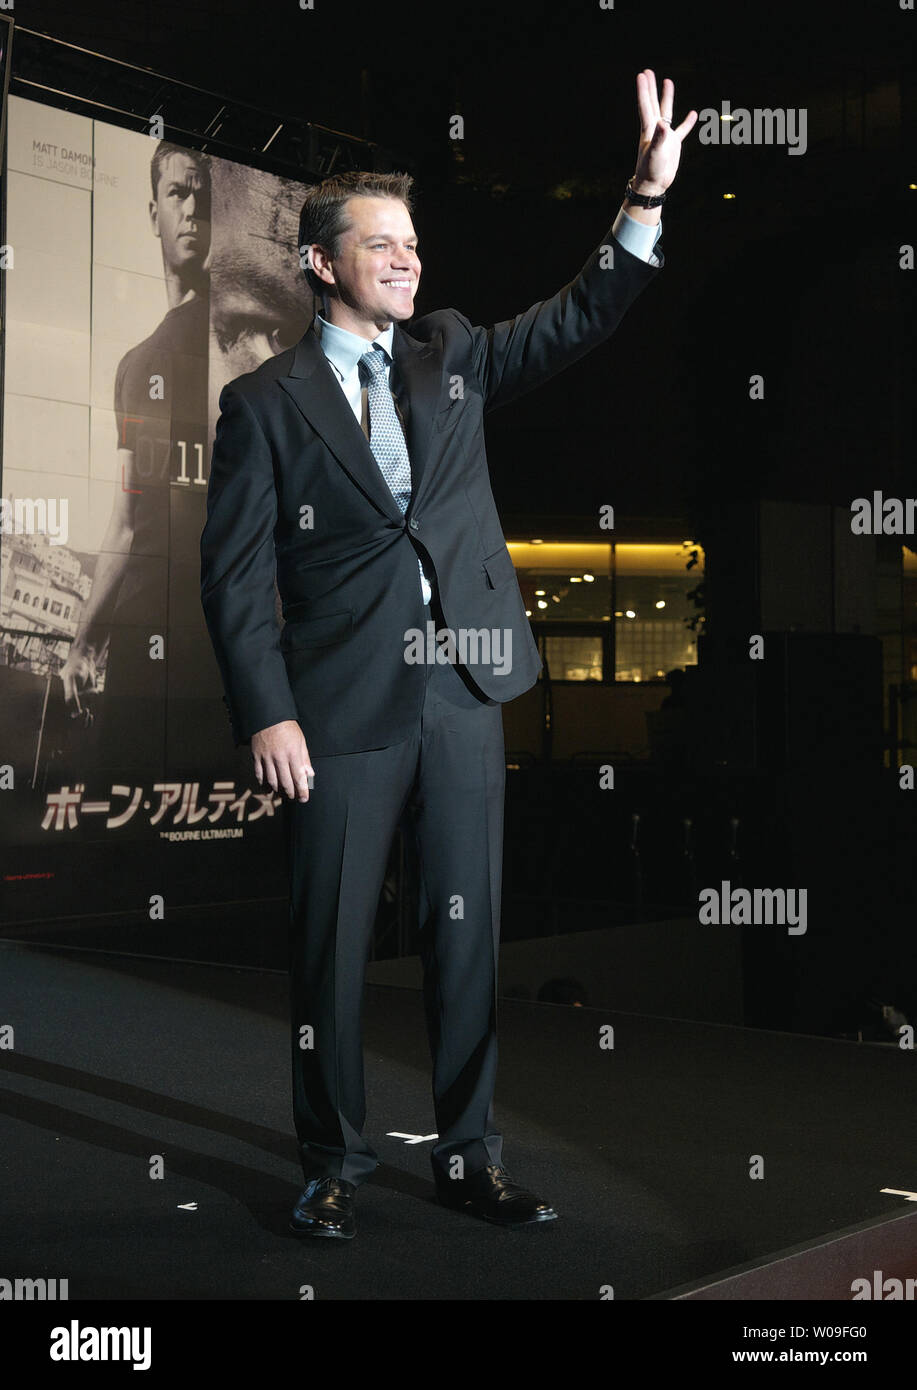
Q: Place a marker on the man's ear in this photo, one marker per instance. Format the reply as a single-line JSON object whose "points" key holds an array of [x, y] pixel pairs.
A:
{"points": [[319, 265]]}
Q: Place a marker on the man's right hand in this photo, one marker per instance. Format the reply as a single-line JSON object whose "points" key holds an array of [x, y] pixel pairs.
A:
{"points": [[281, 759], [78, 674]]}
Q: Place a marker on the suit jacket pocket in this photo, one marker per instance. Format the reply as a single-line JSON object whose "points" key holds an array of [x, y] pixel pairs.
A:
{"points": [[499, 568], [445, 419], [320, 631]]}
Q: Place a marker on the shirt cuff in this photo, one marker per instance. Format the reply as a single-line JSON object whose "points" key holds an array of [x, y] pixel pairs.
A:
{"points": [[638, 238]]}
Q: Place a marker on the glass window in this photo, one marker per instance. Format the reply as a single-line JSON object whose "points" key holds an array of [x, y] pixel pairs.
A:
{"points": [[652, 583], [564, 583], [640, 589], [574, 658], [909, 611]]}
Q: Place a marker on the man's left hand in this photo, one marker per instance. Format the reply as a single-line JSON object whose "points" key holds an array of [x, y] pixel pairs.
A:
{"points": [[659, 149]]}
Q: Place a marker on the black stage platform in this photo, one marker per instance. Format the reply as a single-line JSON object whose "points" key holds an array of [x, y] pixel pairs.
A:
{"points": [[644, 1148]]}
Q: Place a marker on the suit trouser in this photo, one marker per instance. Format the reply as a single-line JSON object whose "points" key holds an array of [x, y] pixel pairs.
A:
{"points": [[449, 779]]}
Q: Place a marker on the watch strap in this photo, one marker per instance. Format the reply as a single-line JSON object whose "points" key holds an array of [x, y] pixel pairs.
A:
{"points": [[643, 200]]}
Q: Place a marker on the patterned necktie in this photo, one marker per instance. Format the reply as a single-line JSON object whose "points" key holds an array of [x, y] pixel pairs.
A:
{"points": [[386, 437]]}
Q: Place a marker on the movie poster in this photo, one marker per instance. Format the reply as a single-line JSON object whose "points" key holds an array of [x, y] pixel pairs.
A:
{"points": [[142, 277]]}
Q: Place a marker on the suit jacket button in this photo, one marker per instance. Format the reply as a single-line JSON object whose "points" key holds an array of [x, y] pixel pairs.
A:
{"points": [[414, 525]]}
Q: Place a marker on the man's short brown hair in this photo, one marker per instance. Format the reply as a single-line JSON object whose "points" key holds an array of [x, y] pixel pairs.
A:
{"points": [[324, 220], [165, 150]]}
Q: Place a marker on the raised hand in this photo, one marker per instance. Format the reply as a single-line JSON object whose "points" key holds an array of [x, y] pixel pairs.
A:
{"points": [[659, 148]]}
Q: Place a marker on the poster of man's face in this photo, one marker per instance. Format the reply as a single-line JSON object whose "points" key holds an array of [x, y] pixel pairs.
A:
{"points": [[180, 210], [148, 276], [260, 302]]}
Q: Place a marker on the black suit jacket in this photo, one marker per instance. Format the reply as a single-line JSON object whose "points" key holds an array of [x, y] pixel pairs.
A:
{"points": [[294, 486]]}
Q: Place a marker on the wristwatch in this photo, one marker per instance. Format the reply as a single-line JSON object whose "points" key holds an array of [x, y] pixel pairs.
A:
{"points": [[642, 200]]}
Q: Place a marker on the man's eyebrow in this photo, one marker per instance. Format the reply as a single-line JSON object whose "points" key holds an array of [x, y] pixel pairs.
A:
{"points": [[384, 236]]}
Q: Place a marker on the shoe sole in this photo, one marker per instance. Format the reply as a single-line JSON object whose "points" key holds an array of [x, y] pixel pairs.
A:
{"points": [[518, 1225], [324, 1232], [469, 1210]]}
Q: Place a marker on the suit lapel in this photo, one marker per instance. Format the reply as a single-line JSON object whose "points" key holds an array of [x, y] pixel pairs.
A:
{"points": [[417, 391], [316, 391]]}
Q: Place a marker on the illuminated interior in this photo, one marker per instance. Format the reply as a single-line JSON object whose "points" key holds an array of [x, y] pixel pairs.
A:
{"points": [[640, 589]]}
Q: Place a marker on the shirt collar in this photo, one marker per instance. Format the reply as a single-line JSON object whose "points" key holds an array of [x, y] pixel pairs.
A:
{"points": [[344, 349]]}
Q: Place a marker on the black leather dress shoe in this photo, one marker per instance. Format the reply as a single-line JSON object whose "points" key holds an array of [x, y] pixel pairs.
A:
{"points": [[325, 1208], [491, 1193]]}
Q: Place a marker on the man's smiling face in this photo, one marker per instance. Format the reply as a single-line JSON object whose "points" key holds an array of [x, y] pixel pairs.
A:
{"points": [[376, 274]]}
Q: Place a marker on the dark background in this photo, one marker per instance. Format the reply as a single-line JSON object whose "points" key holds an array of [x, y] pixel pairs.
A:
{"points": [[796, 277]]}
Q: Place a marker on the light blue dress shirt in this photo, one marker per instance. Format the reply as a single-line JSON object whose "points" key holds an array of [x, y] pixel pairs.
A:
{"points": [[344, 349], [636, 237]]}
